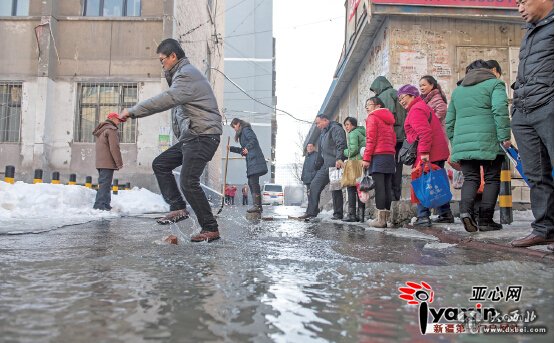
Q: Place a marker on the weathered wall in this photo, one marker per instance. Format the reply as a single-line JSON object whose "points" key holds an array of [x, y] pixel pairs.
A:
{"points": [[407, 48], [443, 47], [19, 58], [102, 48]]}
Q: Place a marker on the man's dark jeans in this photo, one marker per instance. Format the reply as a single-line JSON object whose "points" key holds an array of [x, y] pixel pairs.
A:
{"points": [[397, 179], [533, 132], [197, 152], [163, 165], [103, 197], [192, 154], [321, 179], [472, 179]]}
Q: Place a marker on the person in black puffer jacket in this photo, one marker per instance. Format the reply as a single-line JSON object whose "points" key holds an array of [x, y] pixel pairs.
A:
{"points": [[532, 116]]}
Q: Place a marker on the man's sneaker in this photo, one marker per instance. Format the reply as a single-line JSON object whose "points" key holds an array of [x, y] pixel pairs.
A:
{"points": [[422, 222], [206, 236], [173, 217], [445, 218]]}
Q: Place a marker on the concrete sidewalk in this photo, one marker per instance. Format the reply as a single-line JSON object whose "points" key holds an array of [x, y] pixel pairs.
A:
{"points": [[455, 234]]}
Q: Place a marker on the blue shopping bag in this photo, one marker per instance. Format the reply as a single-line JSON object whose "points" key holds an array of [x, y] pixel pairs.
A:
{"points": [[514, 157], [432, 187]]}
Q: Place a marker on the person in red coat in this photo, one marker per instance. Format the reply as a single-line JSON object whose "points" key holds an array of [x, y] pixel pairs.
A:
{"points": [[423, 125], [232, 192], [379, 156]]}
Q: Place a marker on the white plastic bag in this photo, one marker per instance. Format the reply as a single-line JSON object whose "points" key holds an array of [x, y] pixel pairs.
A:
{"points": [[335, 178], [458, 179]]}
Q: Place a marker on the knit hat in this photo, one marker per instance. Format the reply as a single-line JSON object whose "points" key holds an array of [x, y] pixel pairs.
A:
{"points": [[408, 89], [114, 115]]}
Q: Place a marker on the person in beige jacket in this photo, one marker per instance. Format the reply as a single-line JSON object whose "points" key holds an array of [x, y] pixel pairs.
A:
{"points": [[108, 159]]}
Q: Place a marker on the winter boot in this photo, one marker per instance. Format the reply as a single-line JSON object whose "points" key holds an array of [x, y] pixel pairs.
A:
{"points": [[360, 213], [257, 204], [381, 219], [485, 221], [469, 223], [422, 222], [351, 217], [445, 218]]}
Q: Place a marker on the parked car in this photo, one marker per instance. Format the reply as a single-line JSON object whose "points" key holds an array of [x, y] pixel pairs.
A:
{"points": [[272, 194]]}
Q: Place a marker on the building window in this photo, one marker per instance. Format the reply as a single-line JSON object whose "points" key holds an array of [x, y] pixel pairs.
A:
{"points": [[96, 100], [10, 8], [10, 111], [112, 8]]}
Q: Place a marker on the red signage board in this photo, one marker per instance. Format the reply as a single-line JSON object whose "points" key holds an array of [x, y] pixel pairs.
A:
{"points": [[353, 4], [511, 4]]}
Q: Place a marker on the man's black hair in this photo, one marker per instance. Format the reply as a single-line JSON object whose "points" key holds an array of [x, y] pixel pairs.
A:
{"points": [[323, 116], [167, 46]]}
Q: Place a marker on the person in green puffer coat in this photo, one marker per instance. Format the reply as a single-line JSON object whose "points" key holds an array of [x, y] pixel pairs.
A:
{"points": [[477, 122], [356, 139]]}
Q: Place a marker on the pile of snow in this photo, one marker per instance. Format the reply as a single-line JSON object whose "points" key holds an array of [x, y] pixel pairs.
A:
{"points": [[41, 207]]}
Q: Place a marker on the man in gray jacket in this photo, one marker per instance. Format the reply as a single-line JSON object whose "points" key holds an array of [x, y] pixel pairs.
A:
{"points": [[330, 154], [197, 124], [532, 116]]}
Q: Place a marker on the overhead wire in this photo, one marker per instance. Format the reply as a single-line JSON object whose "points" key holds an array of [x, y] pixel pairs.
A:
{"points": [[260, 102]]}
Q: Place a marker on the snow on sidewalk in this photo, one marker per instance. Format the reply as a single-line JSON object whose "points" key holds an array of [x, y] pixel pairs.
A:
{"points": [[27, 208]]}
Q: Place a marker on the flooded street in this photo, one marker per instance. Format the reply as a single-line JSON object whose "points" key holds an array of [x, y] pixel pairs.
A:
{"points": [[267, 281]]}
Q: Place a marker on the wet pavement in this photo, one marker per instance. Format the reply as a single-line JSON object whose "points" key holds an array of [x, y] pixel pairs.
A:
{"points": [[265, 281]]}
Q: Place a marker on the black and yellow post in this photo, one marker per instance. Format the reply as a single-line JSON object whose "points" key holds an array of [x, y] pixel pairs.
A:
{"points": [[72, 179], [55, 178], [128, 186], [505, 195], [88, 181], [9, 176], [115, 187], [38, 176]]}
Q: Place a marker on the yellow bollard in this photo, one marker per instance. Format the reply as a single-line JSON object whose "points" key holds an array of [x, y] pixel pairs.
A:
{"points": [[88, 182], [115, 187], [55, 178], [72, 179], [505, 194], [38, 176], [9, 176]]}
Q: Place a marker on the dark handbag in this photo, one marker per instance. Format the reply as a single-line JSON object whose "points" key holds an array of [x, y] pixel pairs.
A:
{"points": [[367, 183], [407, 153]]}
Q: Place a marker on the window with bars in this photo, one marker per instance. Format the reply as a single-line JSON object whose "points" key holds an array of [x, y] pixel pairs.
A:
{"points": [[112, 8], [10, 111], [12, 8], [96, 100]]}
